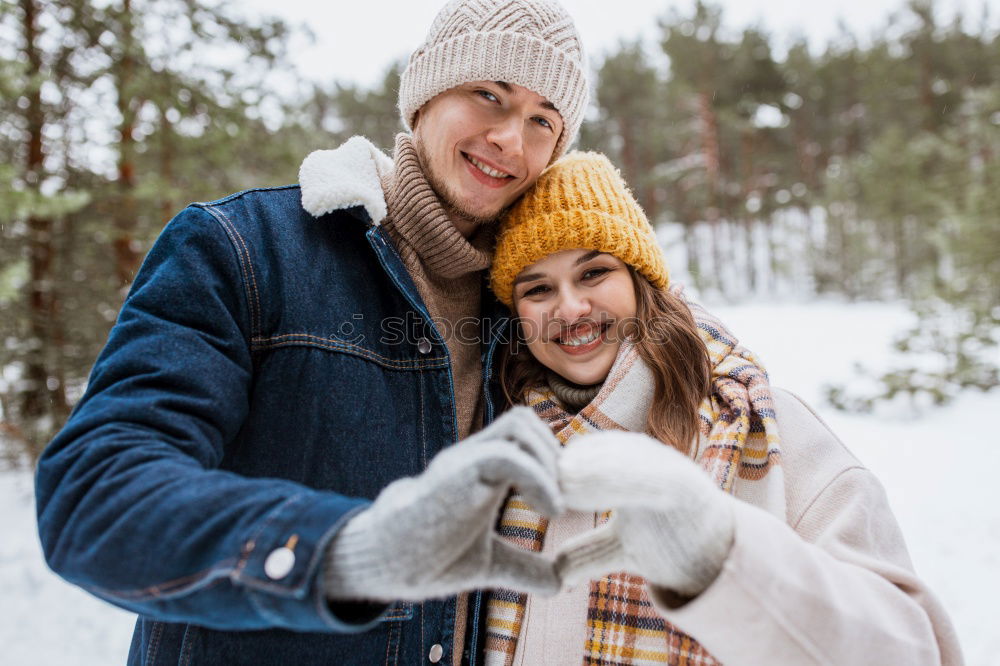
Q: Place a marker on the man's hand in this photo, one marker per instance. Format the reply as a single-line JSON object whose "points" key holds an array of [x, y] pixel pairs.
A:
{"points": [[433, 535], [669, 522]]}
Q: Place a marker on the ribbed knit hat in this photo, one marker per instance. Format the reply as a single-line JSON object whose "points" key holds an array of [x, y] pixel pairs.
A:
{"points": [[580, 202], [531, 43]]}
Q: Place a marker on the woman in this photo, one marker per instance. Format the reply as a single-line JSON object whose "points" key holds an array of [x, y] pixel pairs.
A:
{"points": [[712, 518]]}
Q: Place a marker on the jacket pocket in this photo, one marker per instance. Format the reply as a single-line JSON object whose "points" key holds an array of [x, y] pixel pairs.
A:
{"points": [[400, 612]]}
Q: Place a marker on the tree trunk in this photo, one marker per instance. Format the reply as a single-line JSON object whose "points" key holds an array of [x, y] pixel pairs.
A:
{"points": [[710, 147], [126, 249], [693, 263], [710, 151], [747, 160], [774, 268], [806, 160], [43, 400], [166, 166], [902, 271]]}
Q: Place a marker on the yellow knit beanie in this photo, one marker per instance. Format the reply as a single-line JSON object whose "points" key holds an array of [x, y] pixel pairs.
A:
{"points": [[580, 202]]}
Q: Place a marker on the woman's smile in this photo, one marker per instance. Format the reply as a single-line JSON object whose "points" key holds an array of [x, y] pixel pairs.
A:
{"points": [[583, 340]]}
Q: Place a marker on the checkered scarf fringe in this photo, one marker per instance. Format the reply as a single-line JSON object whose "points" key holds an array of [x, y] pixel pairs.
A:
{"points": [[739, 450]]}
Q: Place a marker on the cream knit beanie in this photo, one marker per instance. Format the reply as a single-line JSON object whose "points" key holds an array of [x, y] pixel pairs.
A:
{"points": [[531, 43]]}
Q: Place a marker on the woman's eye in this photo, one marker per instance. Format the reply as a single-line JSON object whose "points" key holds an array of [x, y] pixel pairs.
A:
{"points": [[594, 273], [487, 95], [535, 291]]}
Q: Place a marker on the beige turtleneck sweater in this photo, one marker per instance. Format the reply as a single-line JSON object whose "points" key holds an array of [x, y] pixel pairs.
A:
{"points": [[447, 270]]}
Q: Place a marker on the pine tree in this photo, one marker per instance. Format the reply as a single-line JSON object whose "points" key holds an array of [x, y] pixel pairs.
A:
{"points": [[75, 74]]}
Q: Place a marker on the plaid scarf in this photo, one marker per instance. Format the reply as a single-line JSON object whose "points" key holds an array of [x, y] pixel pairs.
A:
{"points": [[739, 449]]}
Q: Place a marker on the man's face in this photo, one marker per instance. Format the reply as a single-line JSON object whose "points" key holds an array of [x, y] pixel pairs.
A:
{"points": [[482, 144]]}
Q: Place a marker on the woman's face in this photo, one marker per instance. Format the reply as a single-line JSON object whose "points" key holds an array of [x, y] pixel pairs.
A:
{"points": [[574, 306]]}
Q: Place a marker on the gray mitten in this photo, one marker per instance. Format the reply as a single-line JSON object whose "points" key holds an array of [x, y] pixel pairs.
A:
{"points": [[433, 535], [670, 524]]}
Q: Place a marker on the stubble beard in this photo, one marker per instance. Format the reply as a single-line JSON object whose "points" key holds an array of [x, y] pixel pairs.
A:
{"points": [[449, 198]]}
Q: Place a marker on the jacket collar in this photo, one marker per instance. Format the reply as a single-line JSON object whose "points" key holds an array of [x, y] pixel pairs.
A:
{"points": [[345, 177]]}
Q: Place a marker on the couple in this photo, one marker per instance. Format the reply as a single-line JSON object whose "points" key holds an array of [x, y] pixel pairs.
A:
{"points": [[265, 479]]}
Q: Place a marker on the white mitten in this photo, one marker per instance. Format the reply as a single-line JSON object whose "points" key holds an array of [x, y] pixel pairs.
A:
{"points": [[433, 535], [670, 524]]}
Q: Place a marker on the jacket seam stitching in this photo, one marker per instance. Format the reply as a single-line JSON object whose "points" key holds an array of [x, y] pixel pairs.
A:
{"points": [[399, 639], [261, 344], [165, 587], [255, 294], [423, 427], [243, 267], [394, 365], [238, 249], [242, 193], [388, 642], [186, 644], [154, 642]]}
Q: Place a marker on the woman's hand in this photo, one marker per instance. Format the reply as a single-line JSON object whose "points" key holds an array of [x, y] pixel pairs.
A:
{"points": [[670, 524]]}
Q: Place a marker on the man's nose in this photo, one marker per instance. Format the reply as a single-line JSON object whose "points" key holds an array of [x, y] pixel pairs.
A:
{"points": [[507, 134]]}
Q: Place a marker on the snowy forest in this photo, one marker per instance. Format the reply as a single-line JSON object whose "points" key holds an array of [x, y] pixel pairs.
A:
{"points": [[866, 169]]}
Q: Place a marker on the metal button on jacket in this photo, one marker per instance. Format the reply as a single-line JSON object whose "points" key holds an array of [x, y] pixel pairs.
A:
{"points": [[279, 563], [424, 346], [436, 653]]}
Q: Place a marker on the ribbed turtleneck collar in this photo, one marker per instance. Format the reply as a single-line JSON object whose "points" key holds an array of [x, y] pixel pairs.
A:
{"points": [[572, 396], [417, 217]]}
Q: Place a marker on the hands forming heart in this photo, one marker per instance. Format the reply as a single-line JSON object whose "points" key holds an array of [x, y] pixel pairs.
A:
{"points": [[434, 534]]}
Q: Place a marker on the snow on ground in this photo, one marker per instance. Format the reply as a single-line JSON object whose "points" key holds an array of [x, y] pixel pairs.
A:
{"points": [[938, 466], [44, 620]]}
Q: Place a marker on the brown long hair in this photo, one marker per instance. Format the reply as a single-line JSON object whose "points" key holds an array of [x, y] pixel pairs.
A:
{"points": [[666, 339]]}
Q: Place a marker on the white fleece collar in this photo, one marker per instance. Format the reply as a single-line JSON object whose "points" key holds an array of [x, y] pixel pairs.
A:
{"points": [[347, 176]]}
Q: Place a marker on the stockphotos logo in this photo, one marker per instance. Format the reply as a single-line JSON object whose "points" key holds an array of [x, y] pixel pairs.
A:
{"points": [[412, 328]]}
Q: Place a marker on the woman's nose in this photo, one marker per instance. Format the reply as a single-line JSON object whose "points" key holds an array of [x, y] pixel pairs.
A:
{"points": [[572, 306]]}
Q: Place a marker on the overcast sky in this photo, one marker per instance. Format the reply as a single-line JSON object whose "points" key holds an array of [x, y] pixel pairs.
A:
{"points": [[356, 40]]}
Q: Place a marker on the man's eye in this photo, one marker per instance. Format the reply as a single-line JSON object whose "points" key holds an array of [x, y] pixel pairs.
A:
{"points": [[544, 122], [488, 95]]}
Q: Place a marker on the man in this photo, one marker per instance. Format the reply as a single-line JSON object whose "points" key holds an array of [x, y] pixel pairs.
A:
{"points": [[229, 474]]}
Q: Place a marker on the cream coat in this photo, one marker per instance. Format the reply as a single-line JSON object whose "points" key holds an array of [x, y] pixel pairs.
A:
{"points": [[831, 585]]}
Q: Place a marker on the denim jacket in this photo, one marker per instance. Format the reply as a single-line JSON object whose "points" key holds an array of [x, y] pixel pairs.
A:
{"points": [[269, 373]]}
